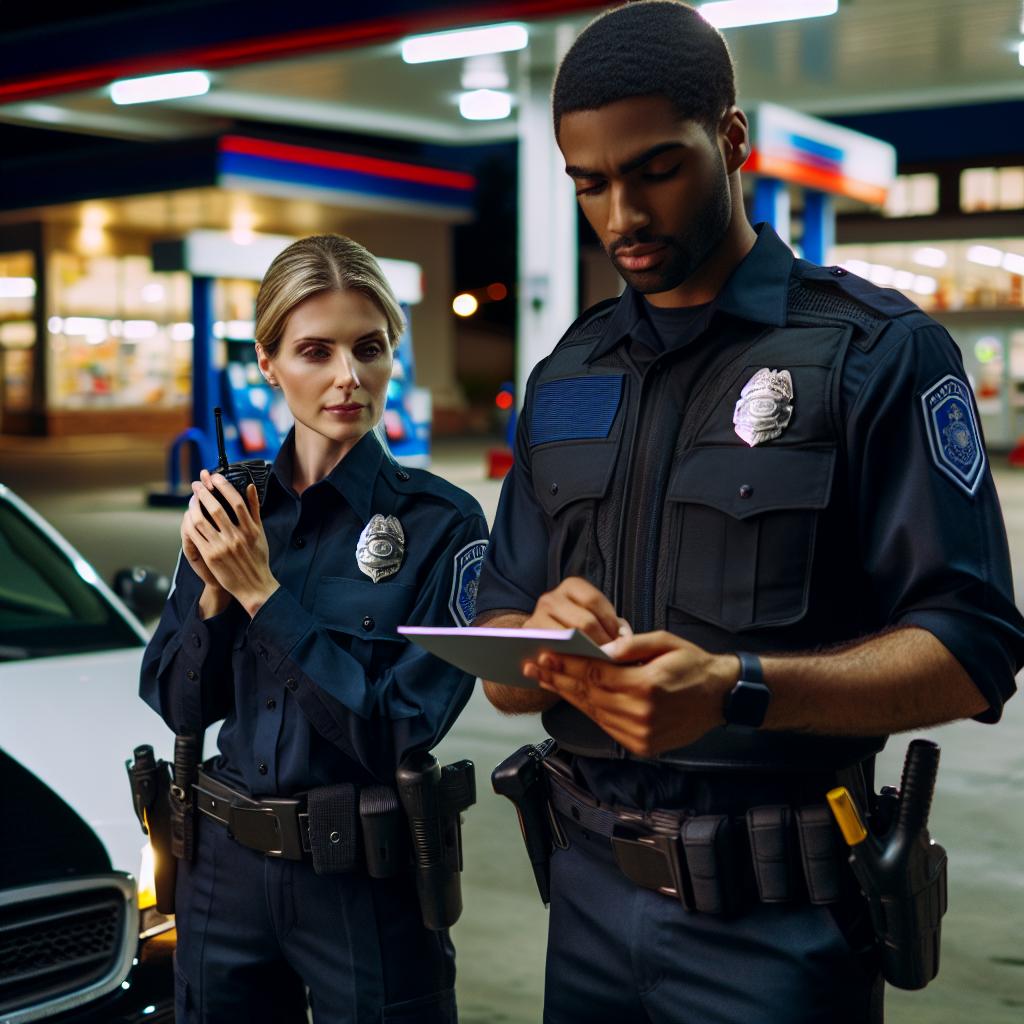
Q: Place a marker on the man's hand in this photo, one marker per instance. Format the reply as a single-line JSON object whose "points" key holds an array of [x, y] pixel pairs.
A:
{"points": [[670, 699], [236, 555], [577, 604], [573, 604]]}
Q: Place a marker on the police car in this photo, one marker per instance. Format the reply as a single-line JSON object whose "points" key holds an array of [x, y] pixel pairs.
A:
{"points": [[80, 937]]}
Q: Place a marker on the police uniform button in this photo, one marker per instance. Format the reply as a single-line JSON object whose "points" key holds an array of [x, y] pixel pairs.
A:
{"points": [[368, 623], [271, 703], [401, 475], [837, 271], [196, 642], [746, 490], [553, 488], [290, 683], [262, 768], [335, 837], [192, 674], [299, 542]]}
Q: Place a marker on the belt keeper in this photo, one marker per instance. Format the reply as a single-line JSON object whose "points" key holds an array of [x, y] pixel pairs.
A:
{"points": [[820, 852], [332, 828], [711, 859], [773, 852]]}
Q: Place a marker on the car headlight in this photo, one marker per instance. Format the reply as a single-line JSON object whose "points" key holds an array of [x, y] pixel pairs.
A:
{"points": [[147, 877]]}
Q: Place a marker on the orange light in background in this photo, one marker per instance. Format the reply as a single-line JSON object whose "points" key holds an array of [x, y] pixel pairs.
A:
{"points": [[497, 291], [503, 400], [465, 304]]}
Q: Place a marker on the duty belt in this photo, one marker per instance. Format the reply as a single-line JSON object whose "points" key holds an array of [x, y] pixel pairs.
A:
{"points": [[715, 863], [278, 827]]}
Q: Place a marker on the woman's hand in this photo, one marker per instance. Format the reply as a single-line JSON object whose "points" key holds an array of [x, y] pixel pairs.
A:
{"points": [[235, 555]]}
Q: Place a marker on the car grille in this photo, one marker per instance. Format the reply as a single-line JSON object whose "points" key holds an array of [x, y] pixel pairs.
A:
{"points": [[63, 943]]}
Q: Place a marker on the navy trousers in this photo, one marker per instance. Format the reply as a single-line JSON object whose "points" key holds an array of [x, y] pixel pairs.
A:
{"points": [[255, 932], [621, 954]]}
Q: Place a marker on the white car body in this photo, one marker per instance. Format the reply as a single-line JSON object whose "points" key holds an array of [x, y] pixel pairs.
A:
{"points": [[74, 719]]}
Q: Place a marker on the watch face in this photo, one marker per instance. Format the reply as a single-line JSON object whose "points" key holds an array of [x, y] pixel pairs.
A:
{"points": [[747, 704]]}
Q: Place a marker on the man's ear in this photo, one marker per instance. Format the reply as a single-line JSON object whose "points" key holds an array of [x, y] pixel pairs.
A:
{"points": [[734, 135]]}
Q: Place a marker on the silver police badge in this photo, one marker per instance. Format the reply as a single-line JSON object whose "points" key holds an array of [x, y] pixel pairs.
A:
{"points": [[381, 547], [765, 406]]}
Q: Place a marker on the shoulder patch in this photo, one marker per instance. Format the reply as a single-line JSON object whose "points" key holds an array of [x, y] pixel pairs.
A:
{"points": [[465, 582], [953, 433], [575, 408]]}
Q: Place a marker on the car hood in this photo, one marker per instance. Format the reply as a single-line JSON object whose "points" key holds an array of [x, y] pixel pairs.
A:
{"points": [[73, 721]]}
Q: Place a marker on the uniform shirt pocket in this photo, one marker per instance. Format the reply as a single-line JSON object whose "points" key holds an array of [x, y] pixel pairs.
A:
{"points": [[744, 521], [363, 617]]}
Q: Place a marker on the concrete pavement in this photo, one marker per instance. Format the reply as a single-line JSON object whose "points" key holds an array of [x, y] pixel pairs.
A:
{"points": [[93, 492]]}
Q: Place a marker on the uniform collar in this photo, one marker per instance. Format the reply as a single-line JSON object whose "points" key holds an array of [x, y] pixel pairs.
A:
{"points": [[757, 290], [353, 478]]}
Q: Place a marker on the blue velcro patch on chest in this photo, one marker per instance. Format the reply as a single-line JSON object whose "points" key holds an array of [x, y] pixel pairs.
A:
{"points": [[953, 432], [575, 409], [465, 582]]}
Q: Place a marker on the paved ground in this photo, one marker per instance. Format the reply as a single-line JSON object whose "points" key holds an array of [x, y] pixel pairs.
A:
{"points": [[92, 490]]}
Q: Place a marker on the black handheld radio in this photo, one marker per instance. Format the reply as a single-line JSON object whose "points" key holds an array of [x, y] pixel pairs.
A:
{"points": [[238, 474]]}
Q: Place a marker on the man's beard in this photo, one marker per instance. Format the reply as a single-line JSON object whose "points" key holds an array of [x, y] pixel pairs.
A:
{"points": [[684, 254]]}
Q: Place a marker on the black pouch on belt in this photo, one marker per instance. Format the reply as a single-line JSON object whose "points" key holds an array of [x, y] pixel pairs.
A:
{"points": [[819, 850], [710, 848], [772, 849], [333, 838], [385, 831]]}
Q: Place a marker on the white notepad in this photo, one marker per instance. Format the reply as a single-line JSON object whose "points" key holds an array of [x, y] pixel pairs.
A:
{"points": [[496, 653]]}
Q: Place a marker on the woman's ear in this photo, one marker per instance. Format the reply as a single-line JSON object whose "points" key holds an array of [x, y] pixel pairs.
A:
{"points": [[263, 360]]}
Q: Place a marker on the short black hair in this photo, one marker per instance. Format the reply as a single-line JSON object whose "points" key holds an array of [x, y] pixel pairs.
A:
{"points": [[648, 48]]}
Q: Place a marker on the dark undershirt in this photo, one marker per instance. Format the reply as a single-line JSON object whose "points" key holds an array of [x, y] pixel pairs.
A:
{"points": [[636, 783]]}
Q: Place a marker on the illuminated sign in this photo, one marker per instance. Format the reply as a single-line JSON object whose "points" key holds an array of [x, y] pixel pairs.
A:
{"points": [[817, 154]]}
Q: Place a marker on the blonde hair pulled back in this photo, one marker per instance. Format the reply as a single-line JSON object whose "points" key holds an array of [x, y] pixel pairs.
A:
{"points": [[320, 263]]}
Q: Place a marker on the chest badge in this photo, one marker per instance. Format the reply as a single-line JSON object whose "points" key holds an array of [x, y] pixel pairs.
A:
{"points": [[381, 547], [765, 406]]}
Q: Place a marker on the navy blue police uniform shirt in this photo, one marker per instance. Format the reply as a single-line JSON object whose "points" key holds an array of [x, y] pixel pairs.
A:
{"points": [[905, 528], [318, 687]]}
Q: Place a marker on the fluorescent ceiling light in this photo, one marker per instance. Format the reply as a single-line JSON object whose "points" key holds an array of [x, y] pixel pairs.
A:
{"points": [[485, 105], [985, 255], [881, 274], [903, 279], [464, 42], [924, 285], [1014, 263], [928, 256], [17, 287], [1020, 49], [175, 86], [734, 13]]}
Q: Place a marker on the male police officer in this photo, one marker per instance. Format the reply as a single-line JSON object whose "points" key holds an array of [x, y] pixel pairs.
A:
{"points": [[744, 453]]}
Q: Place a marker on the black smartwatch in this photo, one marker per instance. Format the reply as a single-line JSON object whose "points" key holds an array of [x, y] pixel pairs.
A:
{"points": [[747, 702]]}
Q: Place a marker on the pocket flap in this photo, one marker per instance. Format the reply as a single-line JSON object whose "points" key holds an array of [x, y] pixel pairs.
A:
{"points": [[744, 482], [572, 472], [363, 608]]}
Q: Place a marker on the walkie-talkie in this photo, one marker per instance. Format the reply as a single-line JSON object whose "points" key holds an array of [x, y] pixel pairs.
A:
{"points": [[238, 474]]}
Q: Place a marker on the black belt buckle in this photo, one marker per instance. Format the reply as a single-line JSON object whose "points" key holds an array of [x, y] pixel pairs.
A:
{"points": [[271, 827], [652, 861]]}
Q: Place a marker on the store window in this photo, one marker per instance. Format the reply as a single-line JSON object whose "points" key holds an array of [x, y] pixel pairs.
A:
{"points": [[17, 330], [120, 335], [969, 274], [912, 195], [991, 188]]}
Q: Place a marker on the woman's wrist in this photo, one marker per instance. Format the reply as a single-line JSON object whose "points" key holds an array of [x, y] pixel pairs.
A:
{"points": [[252, 603], [212, 601]]}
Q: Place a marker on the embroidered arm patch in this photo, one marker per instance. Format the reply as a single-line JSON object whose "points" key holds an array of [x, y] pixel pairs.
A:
{"points": [[575, 409], [465, 582], [953, 433]]}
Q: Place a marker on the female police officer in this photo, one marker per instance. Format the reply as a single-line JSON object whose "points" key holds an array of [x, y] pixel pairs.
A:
{"points": [[282, 621]]}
